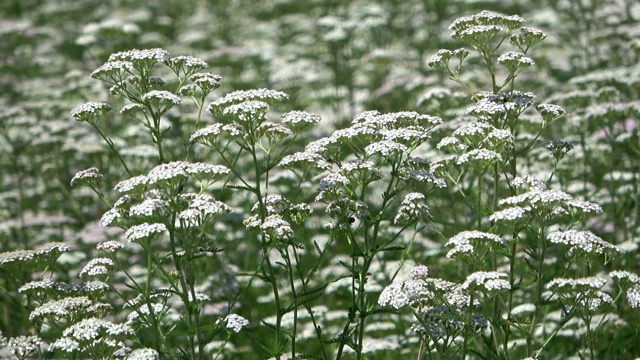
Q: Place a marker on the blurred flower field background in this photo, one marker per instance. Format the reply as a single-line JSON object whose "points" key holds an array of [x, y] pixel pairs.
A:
{"points": [[319, 179]]}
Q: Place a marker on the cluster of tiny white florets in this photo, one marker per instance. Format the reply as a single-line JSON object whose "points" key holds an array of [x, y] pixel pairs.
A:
{"points": [[490, 281], [144, 231], [276, 227], [161, 97], [273, 131], [207, 82], [583, 241], [97, 267], [412, 209], [185, 65], [332, 182], [143, 354], [90, 111], [305, 160], [361, 170], [234, 322], [88, 177], [298, 120], [47, 252], [419, 272], [481, 157], [202, 208], [515, 61], [134, 56], [22, 346], [462, 241], [62, 309], [401, 293], [273, 204]]}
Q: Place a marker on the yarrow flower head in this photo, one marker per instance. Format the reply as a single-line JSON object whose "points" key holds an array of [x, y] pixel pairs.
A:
{"points": [[23, 346], [88, 177], [583, 242], [142, 60], [412, 209], [462, 242], [271, 97], [550, 112], [559, 148], [113, 72], [185, 66], [97, 267], [234, 322], [143, 354], [161, 100], [306, 161], [145, 231], [90, 111], [299, 120], [527, 37], [207, 82], [515, 61], [276, 227], [490, 281], [419, 272]]}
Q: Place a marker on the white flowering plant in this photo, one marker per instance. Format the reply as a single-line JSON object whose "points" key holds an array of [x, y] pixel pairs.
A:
{"points": [[360, 183]]}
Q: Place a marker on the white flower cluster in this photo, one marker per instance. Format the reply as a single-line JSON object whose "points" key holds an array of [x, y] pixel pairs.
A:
{"points": [[401, 293], [298, 120], [91, 329], [202, 208], [271, 97], [113, 71], [461, 242], [333, 182], [144, 231], [207, 134], [234, 322], [143, 354], [491, 280], [276, 227], [186, 65], [581, 284], [273, 131], [273, 204], [136, 56], [62, 309], [47, 252], [206, 81], [361, 170], [550, 112], [419, 272], [148, 208], [88, 177], [248, 112], [481, 157], [583, 241], [527, 37], [514, 60], [161, 97], [412, 209], [486, 18], [305, 160], [97, 267], [90, 111], [23, 346], [385, 148], [547, 204]]}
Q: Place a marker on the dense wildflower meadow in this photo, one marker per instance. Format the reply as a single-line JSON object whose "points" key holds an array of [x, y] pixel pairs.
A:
{"points": [[417, 179]]}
